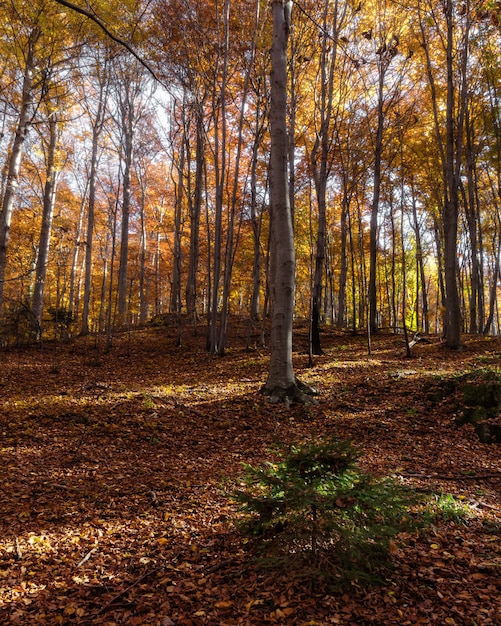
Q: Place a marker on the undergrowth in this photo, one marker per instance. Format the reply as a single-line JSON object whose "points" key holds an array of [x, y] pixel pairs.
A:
{"points": [[317, 514]]}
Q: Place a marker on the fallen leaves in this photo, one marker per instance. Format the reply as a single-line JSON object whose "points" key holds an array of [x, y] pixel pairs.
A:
{"points": [[114, 507]]}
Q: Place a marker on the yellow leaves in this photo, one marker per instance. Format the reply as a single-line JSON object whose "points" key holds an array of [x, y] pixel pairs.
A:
{"points": [[40, 541]]}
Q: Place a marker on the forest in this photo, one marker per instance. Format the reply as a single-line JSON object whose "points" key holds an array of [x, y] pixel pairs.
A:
{"points": [[194, 193], [135, 146]]}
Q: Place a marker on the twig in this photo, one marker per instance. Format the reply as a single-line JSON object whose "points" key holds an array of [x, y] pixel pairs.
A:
{"points": [[456, 477], [60, 486], [86, 557], [484, 505], [19, 554], [127, 589]]}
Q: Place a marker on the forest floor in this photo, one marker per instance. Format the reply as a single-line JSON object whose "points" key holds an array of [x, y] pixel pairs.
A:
{"points": [[116, 469]]}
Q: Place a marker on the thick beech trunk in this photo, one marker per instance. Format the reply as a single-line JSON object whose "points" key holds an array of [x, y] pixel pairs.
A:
{"points": [[281, 380]]}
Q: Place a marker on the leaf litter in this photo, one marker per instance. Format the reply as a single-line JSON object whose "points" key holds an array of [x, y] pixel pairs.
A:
{"points": [[116, 471]]}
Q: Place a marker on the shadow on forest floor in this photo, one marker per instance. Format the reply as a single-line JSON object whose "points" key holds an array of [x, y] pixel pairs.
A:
{"points": [[114, 507]]}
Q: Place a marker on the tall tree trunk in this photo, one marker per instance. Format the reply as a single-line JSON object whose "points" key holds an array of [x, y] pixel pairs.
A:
{"points": [[320, 159], [450, 150], [372, 287], [49, 197], [420, 263], [175, 304], [143, 280], [220, 147], [343, 260], [97, 127], [16, 154], [281, 380], [127, 138], [195, 213], [476, 321], [74, 295], [230, 242]]}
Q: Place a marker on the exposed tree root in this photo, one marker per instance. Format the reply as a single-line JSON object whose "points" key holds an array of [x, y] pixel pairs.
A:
{"points": [[298, 392]]}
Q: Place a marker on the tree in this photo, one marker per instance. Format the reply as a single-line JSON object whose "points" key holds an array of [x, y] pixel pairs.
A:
{"points": [[14, 162], [281, 384], [97, 118], [49, 198], [321, 152]]}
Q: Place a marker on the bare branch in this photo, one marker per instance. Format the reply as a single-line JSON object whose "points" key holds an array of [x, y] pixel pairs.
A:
{"points": [[105, 29]]}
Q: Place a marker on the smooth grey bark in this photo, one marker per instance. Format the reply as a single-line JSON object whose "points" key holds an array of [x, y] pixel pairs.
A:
{"points": [[281, 382], [74, 291], [450, 214], [14, 163], [143, 281]]}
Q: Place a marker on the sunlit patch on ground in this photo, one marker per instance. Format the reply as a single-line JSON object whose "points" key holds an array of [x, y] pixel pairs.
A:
{"points": [[114, 504]]}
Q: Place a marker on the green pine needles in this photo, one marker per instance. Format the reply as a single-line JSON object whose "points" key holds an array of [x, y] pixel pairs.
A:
{"points": [[318, 513]]}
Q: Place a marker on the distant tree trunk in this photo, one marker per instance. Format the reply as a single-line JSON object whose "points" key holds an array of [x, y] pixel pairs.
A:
{"points": [[343, 260], [372, 287], [256, 228], [450, 149], [97, 127], [476, 303], [195, 212], [74, 295], [128, 141], [230, 242], [420, 263], [175, 303], [320, 158], [14, 162], [220, 148], [112, 217], [493, 289], [143, 282], [49, 197]]}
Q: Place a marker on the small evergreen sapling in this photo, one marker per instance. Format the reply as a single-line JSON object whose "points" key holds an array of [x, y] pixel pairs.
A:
{"points": [[316, 511]]}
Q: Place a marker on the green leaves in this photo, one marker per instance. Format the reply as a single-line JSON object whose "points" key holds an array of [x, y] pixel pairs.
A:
{"points": [[316, 508]]}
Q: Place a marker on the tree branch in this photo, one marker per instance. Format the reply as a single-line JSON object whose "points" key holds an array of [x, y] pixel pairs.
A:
{"points": [[105, 29]]}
